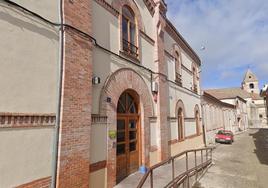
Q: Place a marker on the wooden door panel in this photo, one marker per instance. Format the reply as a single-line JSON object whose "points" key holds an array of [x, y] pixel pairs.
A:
{"points": [[133, 161], [121, 167], [127, 146]]}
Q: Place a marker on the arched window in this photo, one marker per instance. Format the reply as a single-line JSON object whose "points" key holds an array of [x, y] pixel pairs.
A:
{"points": [[180, 124], [178, 68], [197, 119], [194, 79], [129, 34], [251, 86]]}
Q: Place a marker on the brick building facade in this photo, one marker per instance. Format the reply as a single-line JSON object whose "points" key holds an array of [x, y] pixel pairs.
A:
{"points": [[126, 83]]}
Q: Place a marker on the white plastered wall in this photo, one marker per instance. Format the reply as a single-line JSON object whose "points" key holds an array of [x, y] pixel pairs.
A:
{"points": [[26, 155], [28, 78], [29, 59]]}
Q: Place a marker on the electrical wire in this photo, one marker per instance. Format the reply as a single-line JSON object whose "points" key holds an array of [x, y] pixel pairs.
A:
{"points": [[93, 40]]}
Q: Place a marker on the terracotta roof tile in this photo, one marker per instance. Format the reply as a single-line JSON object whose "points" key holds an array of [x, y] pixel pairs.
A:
{"points": [[229, 93]]}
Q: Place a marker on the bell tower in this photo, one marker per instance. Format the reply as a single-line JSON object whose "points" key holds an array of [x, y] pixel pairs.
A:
{"points": [[250, 83]]}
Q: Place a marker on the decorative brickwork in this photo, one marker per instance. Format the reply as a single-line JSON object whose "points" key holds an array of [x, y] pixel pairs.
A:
{"points": [[24, 120], [97, 166], [75, 119], [115, 85], [98, 119], [40, 183], [108, 7]]}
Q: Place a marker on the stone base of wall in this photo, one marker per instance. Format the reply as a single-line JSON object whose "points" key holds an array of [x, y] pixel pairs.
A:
{"points": [[40, 183], [98, 178]]}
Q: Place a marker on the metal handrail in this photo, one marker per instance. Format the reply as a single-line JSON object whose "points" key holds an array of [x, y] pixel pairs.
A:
{"points": [[183, 176], [130, 48]]}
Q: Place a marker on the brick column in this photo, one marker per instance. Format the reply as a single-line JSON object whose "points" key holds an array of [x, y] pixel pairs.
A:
{"points": [[75, 118], [162, 100]]}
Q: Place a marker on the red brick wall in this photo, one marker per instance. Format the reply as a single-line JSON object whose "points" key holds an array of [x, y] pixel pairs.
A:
{"points": [[40, 183], [75, 121], [162, 99]]}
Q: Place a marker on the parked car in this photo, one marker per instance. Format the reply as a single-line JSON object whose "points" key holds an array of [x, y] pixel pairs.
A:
{"points": [[224, 136]]}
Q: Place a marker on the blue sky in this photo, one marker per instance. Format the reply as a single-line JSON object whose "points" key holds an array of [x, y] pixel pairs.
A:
{"points": [[234, 33]]}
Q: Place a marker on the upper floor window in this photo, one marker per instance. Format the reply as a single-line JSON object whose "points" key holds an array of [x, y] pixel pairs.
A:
{"points": [[194, 79], [129, 34], [178, 68], [251, 86]]}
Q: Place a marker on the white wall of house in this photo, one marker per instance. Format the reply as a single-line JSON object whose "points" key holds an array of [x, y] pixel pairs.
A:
{"points": [[29, 54]]}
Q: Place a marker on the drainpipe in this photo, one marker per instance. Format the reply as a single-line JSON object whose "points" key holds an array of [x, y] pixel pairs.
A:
{"points": [[60, 73]]}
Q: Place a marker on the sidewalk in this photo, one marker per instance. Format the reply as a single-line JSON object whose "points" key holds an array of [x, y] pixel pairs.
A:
{"points": [[163, 174]]}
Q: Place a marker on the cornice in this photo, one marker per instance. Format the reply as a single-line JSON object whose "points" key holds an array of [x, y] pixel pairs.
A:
{"points": [[108, 7], [172, 31], [24, 120]]}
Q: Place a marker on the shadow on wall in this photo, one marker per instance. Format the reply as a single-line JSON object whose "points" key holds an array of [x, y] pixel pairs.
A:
{"points": [[261, 142]]}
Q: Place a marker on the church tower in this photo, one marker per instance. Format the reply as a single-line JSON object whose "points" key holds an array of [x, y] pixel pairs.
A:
{"points": [[250, 83]]}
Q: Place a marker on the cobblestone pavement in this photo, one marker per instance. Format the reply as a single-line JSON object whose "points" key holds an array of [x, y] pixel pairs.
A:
{"points": [[244, 164]]}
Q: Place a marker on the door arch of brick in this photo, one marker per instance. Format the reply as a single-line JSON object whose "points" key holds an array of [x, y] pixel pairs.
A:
{"points": [[120, 81]]}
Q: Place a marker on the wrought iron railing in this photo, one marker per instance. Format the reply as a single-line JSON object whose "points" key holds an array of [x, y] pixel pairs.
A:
{"points": [[130, 48], [182, 178], [195, 88], [178, 79]]}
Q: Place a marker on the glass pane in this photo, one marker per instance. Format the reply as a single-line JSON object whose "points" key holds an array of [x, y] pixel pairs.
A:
{"points": [[133, 34], [120, 124], [120, 136], [132, 109], [125, 28], [132, 146], [120, 149], [132, 135], [132, 124], [120, 108], [129, 100]]}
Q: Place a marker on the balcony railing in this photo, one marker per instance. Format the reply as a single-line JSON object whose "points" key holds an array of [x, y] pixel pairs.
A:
{"points": [[130, 48], [201, 159], [195, 88], [178, 79]]}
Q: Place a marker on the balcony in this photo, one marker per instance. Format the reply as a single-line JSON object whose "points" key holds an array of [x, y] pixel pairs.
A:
{"points": [[130, 48], [195, 88], [178, 79]]}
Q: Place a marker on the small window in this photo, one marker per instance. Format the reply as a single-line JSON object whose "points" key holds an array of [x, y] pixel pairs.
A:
{"points": [[260, 116], [249, 77], [251, 86], [178, 68]]}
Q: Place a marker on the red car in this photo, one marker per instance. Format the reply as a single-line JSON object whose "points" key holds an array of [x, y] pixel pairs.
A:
{"points": [[224, 136]]}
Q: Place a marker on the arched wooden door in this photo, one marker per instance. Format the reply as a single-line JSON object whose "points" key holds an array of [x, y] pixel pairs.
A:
{"points": [[128, 128]]}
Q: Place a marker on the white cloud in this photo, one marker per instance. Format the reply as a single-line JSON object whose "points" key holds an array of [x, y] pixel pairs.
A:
{"points": [[234, 32]]}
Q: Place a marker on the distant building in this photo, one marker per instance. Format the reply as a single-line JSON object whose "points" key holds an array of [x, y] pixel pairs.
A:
{"points": [[217, 115], [264, 94], [250, 105]]}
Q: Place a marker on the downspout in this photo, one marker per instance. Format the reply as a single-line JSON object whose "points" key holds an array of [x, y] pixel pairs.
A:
{"points": [[58, 113]]}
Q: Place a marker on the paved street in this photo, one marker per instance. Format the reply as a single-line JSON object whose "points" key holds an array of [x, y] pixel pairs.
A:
{"points": [[244, 164]]}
